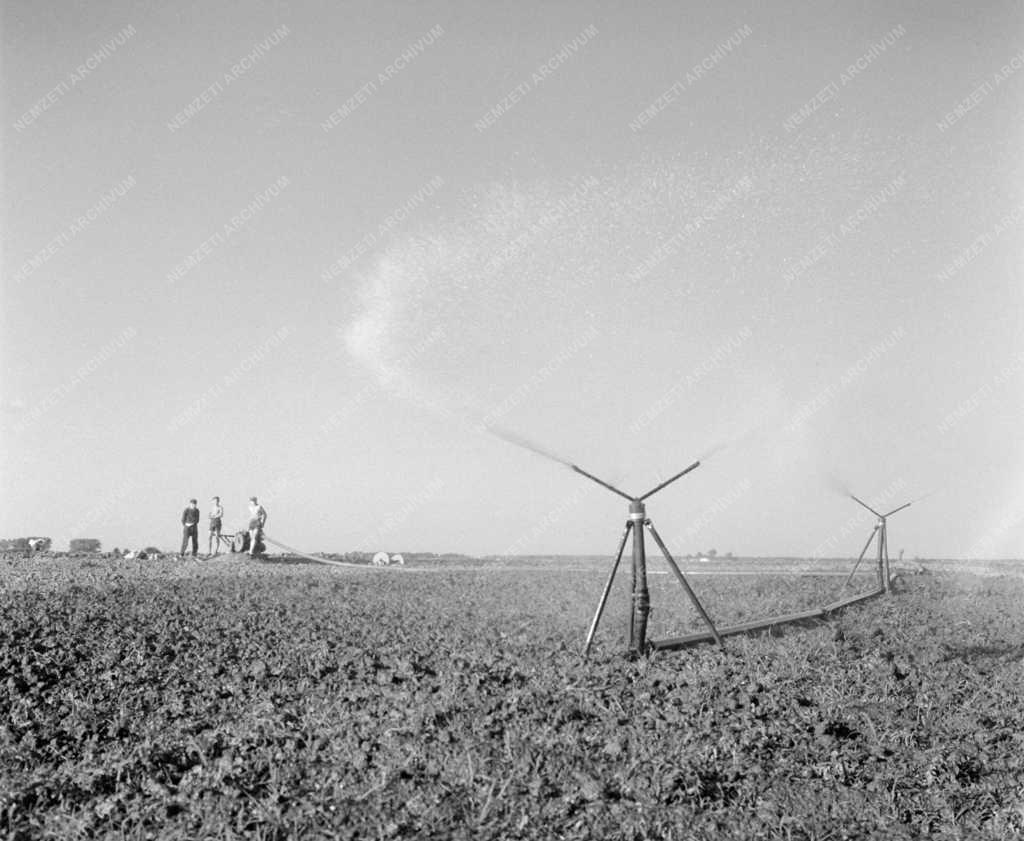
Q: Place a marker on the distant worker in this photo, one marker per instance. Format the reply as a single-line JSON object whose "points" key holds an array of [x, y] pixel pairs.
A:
{"points": [[190, 528], [257, 519], [216, 519]]}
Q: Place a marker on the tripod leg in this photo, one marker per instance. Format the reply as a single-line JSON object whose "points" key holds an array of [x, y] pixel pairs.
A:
{"points": [[863, 552], [607, 590], [686, 586]]}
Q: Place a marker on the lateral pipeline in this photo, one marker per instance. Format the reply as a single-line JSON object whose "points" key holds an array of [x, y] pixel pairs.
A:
{"points": [[325, 561]]}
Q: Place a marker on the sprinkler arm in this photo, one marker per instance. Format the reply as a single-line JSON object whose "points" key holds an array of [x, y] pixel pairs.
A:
{"points": [[668, 482], [601, 482], [625, 495], [859, 502]]}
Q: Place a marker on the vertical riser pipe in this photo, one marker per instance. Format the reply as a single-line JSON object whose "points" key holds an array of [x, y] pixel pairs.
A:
{"points": [[641, 593], [886, 578]]}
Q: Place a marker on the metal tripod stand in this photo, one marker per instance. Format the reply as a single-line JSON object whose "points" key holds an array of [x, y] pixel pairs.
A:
{"points": [[880, 532], [641, 598]]}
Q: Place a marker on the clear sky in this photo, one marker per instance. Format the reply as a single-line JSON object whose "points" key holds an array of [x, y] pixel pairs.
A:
{"points": [[308, 250]]}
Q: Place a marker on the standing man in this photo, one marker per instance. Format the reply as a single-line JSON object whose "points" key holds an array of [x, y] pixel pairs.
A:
{"points": [[190, 528], [216, 517], [257, 519]]}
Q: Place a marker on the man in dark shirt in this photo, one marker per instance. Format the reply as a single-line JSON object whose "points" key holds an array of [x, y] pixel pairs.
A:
{"points": [[190, 528]]}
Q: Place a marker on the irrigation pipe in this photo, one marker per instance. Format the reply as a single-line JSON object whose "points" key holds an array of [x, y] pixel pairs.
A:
{"points": [[292, 550]]}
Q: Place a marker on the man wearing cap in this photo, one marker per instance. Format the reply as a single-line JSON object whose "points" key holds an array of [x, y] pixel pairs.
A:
{"points": [[190, 528]]}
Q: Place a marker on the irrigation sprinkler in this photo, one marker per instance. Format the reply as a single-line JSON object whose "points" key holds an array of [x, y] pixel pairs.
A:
{"points": [[638, 643], [638, 520], [879, 535], [641, 597], [806, 617]]}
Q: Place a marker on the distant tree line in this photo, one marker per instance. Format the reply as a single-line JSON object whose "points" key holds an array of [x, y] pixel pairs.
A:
{"points": [[26, 544], [365, 557], [44, 544], [711, 554]]}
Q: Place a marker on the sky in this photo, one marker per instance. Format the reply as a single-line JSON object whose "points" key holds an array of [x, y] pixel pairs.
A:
{"points": [[339, 255]]}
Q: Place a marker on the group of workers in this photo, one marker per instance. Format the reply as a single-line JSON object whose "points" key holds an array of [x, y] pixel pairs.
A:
{"points": [[190, 526]]}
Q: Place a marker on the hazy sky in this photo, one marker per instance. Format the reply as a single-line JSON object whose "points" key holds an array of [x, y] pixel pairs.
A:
{"points": [[308, 250]]}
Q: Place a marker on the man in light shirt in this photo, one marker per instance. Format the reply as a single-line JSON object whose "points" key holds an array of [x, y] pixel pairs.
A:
{"points": [[257, 519], [216, 519]]}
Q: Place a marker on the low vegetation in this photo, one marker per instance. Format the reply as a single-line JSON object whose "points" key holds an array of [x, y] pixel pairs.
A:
{"points": [[227, 700]]}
